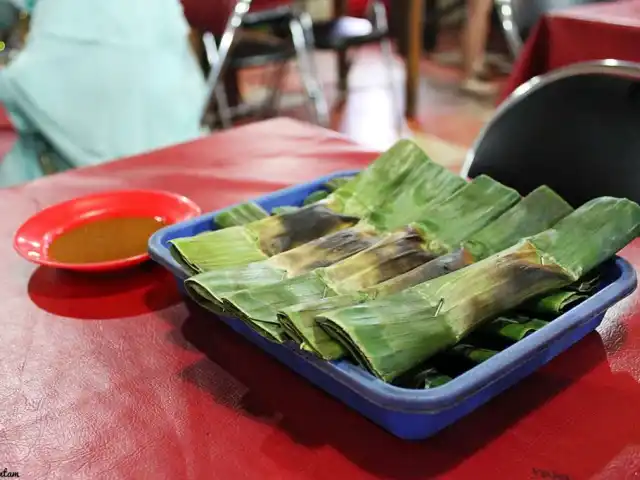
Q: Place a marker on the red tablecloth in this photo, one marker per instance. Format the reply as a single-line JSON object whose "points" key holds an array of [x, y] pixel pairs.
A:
{"points": [[590, 32], [110, 376], [7, 134], [5, 124]]}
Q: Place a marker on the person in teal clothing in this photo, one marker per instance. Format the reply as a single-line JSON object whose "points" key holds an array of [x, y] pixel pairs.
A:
{"points": [[97, 81], [8, 16]]}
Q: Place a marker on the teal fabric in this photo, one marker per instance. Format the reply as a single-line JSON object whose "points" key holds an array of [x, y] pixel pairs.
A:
{"points": [[8, 16], [98, 81]]}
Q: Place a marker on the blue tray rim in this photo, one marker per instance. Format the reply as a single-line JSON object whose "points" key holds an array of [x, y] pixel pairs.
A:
{"points": [[447, 396]]}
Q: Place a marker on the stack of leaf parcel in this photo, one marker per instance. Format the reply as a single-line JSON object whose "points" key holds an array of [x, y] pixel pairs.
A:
{"points": [[405, 268]]}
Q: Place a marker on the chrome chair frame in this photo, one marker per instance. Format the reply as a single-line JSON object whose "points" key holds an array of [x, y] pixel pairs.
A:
{"points": [[301, 31], [220, 95], [507, 14], [507, 20]]}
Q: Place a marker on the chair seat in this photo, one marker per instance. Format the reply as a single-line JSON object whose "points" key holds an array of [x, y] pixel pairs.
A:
{"points": [[342, 33], [253, 51]]}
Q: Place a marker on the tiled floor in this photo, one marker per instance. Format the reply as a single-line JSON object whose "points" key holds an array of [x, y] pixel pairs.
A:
{"points": [[447, 124]]}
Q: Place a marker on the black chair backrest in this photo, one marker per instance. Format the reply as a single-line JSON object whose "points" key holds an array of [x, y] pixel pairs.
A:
{"points": [[579, 134], [527, 13]]}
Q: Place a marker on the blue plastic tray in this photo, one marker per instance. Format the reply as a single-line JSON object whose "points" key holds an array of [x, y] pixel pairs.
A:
{"points": [[416, 414]]}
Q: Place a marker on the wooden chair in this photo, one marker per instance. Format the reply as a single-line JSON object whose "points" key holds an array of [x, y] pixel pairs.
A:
{"points": [[574, 129], [227, 45]]}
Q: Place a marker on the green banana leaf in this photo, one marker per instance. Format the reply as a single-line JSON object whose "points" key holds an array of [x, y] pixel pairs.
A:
{"points": [[335, 183], [539, 210], [396, 254], [241, 215], [392, 335], [542, 208], [356, 199], [283, 210], [554, 304], [315, 197], [425, 379], [322, 252], [505, 331]]}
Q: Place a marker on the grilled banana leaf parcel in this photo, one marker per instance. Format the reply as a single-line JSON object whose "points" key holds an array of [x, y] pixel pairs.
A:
{"points": [[241, 215], [433, 185], [538, 211], [391, 335], [554, 304], [474, 206], [505, 331], [259, 240]]}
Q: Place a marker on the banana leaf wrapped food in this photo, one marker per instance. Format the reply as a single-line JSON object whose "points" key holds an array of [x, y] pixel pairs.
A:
{"points": [[435, 185], [461, 358], [445, 367], [392, 335], [476, 204], [241, 215], [315, 197], [335, 183], [537, 211], [249, 212], [283, 210], [423, 379], [256, 241], [506, 330], [554, 304]]}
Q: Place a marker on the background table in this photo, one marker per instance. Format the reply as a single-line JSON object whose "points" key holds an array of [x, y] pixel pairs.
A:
{"points": [[111, 376], [578, 34]]}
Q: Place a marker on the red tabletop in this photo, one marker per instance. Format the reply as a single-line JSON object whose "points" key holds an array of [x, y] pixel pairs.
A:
{"points": [[589, 32], [111, 376], [7, 135], [5, 123]]}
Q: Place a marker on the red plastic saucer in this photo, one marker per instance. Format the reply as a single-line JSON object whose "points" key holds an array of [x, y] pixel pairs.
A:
{"points": [[33, 238]]}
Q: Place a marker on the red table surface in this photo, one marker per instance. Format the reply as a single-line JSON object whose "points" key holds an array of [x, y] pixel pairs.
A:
{"points": [[7, 134], [579, 34], [111, 376]]}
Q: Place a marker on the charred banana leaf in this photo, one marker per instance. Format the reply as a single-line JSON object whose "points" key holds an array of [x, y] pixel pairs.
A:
{"points": [[322, 252], [392, 335], [241, 215], [542, 208], [356, 199], [397, 253]]}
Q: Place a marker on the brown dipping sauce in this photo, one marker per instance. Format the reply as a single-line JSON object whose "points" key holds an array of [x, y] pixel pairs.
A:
{"points": [[104, 240]]}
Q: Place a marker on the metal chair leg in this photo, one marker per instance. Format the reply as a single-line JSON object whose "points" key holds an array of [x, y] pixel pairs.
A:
{"points": [[301, 28], [270, 107], [220, 93], [381, 22], [226, 44]]}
